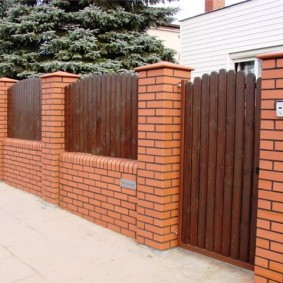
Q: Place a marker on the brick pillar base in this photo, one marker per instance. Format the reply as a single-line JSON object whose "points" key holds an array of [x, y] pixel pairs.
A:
{"points": [[5, 84], [53, 130], [159, 112]]}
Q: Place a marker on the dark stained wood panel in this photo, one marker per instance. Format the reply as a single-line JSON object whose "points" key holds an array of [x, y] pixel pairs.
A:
{"points": [[101, 116], [24, 110], [220, 149]]}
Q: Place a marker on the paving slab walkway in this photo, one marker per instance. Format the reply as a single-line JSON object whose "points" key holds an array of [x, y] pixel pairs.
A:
{"points": [[40, 242]]}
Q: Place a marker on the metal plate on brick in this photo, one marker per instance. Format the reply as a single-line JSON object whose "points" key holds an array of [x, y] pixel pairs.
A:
{"points": [[128, 184]]}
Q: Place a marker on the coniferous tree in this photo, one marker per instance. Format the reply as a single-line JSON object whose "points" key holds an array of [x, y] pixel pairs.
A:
{"points": [[83, 37]]}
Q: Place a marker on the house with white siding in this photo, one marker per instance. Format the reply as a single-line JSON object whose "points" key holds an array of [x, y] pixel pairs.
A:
{"points": [[231, 37], [170, 35]]}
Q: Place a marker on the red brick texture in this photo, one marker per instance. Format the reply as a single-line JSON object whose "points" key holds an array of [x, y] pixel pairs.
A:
{"points": [[269, 244], [211, 5], [159, 113], [5, 84], [53, 130], [22, 165], [90, 187]]}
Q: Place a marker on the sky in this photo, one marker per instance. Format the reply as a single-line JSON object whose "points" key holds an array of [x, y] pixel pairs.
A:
{"points": [[189, 8]]}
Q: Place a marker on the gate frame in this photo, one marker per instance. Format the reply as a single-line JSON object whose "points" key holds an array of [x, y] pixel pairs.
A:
{"points": [[181, 191]]}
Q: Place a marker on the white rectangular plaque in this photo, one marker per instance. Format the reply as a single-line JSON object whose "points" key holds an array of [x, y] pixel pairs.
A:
{"points": [[128, 184]]}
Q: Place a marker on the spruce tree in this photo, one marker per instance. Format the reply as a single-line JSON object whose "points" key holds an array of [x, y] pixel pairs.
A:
{"points": [[82, 37]]}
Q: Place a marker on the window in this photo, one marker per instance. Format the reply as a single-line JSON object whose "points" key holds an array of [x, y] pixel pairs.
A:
{"points": [[247, 66]]}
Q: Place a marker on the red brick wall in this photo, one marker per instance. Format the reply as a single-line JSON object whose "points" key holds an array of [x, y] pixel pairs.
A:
{"points": [[269, 244], [90, 187], [22, 165]]}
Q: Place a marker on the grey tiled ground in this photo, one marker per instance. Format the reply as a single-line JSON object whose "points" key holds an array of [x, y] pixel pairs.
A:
{"points": [[40, 242]]}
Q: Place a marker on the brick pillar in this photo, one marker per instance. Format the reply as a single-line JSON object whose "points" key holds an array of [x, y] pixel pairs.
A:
{"points": [[5, 84], [159, 112], [53, 130], [269, 241]]}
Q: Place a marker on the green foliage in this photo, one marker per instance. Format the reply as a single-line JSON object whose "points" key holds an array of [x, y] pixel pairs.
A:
{"points": [[83, 37]]}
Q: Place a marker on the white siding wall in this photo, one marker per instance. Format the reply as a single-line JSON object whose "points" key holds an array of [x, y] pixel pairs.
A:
{"points": [[209, 41]]}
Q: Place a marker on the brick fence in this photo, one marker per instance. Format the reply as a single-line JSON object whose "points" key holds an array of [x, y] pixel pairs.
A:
{"points": [[90, 186], [269, 244]]}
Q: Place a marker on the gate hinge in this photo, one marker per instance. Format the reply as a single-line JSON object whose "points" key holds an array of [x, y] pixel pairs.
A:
{"points": [[257, 170]]}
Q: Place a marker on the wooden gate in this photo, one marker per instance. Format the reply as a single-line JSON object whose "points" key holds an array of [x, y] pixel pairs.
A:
{"points": [[220, 163]]}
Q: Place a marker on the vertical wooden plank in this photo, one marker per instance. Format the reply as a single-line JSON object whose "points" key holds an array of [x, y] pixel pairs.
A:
{"points": [[29, 117], [30, 114], [128, 111], [93, 110], [19, 110], [103, 114], [212, 149], [248, 168], [68, 124], [134, 95], [229, 161], [87, 115], [118, 115], [76, 117], [123, 116], [195, 162], [26, 128], [39, 125], [113, 115], [203, 160], [72, 131], [108, 115], [238, 164], [187, 161], [15, 110], [255, 173], [81, 115], [26, 114], [9, 116], [23, 107], [98, 116], [35, 102]]}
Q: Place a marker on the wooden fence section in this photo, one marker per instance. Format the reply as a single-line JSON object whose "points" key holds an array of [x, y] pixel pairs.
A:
{"points": [[221, 134], [24, 110], [101, 116]]}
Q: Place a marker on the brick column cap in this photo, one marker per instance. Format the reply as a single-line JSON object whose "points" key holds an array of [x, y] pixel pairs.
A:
{"points": [[60, 74], [7, 80], [163, 65], [271, 55]]}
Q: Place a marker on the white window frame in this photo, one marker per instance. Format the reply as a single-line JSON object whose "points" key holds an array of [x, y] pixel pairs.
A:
{"points": [[236, 56], [257, 64]]}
